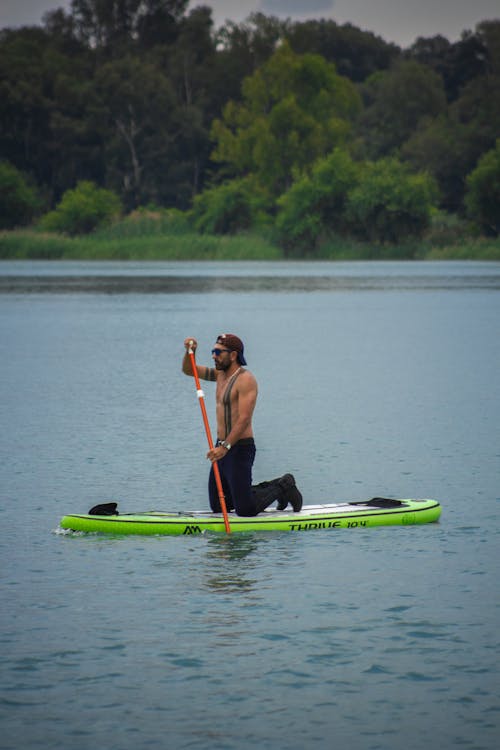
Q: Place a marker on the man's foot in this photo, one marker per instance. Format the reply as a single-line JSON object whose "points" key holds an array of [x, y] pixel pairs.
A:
{"points": [[290, 493], [285, 483], [295, 498]]}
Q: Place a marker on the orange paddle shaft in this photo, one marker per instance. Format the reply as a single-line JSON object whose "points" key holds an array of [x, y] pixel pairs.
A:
{"points": [[201, 399]]}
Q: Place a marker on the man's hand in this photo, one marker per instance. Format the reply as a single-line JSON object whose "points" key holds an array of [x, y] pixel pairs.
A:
{"points": [[216, 453]]}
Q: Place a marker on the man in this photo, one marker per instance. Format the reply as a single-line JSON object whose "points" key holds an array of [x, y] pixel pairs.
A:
{"points": [[235, 399]]}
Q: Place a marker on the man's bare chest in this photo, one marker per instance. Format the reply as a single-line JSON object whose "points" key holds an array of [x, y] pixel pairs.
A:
{"points": [[227, 390]]}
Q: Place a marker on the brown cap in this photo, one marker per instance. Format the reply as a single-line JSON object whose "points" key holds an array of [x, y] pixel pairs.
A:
{"points": [[233, 343]]}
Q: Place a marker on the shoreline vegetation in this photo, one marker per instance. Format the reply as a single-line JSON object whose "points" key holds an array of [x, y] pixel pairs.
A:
{"points": [[116, 244], [150, 135]]}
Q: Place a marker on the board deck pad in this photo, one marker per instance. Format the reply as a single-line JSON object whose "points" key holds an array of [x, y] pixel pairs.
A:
{"points": [[359, 514]]}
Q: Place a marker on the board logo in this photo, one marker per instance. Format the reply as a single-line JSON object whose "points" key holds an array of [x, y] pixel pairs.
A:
{"points": [[308, 525], [192, 530]]}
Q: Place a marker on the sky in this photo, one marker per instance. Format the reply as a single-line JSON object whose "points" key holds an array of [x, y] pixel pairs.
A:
{"points": [[399, 21]]}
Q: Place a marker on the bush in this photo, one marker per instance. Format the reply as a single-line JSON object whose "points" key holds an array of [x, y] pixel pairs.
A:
{"points": [[230, 208], [82, 210], [19, 202], [482, 200], [316, 203], [390, 204], [447, 229], [147, 222]]}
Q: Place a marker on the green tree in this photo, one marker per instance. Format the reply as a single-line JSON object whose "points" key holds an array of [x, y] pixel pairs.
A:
{"points": [[241, 49], [230, 208], [482, 199], [443, 147], [115, 27], [295, 109], [397, 101], [315, 203], [135, 113], [488, 33], [450, 145], [389, 204], [189, 63], [82, 210], [46, 89], [25, 110], [19, 201], [190, 67], [356, 53], [456, 63]]}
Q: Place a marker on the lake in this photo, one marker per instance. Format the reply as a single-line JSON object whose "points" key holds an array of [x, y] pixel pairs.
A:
{"points": [[375, 379]]}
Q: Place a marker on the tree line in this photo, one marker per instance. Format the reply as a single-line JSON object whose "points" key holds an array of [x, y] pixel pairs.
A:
{"points": [[307, 127]]}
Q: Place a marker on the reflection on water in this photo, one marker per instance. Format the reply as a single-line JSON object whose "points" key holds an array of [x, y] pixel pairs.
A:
{"points": [[172, 278], [224, 569]]}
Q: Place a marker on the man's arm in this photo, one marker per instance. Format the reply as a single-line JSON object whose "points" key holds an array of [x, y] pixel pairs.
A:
{"points": [[204, 373]]}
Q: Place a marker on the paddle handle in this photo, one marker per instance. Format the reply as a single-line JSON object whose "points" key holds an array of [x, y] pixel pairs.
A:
{"points": [[201, 399]]}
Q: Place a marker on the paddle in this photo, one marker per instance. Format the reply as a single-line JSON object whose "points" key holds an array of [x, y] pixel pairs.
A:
{"points": [[201, 399]]}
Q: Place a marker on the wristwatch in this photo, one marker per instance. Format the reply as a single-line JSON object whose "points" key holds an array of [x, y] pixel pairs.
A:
{"points": [[225, 445]]}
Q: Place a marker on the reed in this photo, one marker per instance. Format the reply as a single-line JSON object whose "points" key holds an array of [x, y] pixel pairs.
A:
{"points": [[149, 240], [24, 245]]}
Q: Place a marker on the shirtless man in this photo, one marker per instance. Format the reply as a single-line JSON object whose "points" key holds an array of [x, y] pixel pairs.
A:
{"points": [[235, 398]]}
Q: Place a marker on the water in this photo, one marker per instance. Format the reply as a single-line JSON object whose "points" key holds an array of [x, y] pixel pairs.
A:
{"points": [[375, 379]]}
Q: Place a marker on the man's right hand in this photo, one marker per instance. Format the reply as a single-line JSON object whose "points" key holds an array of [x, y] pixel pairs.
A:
{"points": [[190, 343]]}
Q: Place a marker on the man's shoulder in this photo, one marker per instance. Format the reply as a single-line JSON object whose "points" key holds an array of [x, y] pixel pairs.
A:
{"points": [[241, 377], [247, 378]]}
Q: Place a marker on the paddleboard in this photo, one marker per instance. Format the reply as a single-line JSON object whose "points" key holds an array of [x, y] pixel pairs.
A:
{"points": [[354, 515]]}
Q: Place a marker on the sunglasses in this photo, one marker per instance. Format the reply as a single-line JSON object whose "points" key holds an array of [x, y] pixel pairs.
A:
{"points": [[218, 352]]}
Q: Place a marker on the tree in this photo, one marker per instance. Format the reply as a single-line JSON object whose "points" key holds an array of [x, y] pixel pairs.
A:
{"points": [[449, 146], [295, 109], [230, 208], [114, 26], [442, 147], [25, 110], [241, 49], [456, 63], [82, 210], [357, 54], [189, 63], [190, 66], [389, 204], [19, 201], [482, 199], [135, 109], [315, 203], [46, 88], [160, 21], [488, 33], [396, 103]]}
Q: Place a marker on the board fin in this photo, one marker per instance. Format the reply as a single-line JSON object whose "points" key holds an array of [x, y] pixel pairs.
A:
{"points": [[105, 509]]}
